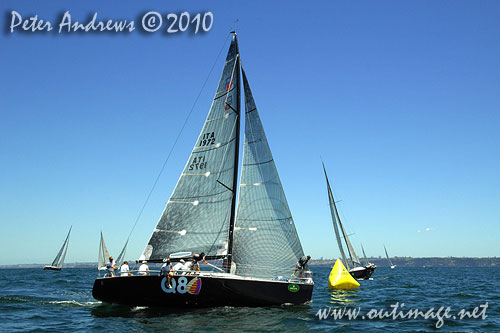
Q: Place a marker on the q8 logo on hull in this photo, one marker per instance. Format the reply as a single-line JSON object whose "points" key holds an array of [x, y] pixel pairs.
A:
{"points": [[181, 285]]}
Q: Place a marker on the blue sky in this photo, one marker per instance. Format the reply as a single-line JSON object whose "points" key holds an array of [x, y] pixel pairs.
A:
{"points": [[400, 98]]}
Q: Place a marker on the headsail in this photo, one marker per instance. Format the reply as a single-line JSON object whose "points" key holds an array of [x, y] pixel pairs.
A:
{"points": [[103, 256], [354, 257], [198, 213], [121, 256], [61, 255], [364, 255], [266, 242]]}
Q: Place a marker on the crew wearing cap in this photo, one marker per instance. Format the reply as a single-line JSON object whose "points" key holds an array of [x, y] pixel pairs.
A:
{"points": [[178, 266], [144, 269], [110, 267]]}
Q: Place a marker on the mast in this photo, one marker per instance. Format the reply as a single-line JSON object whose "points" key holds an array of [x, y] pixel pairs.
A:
{"points": [[333, 211], [236, 157]]}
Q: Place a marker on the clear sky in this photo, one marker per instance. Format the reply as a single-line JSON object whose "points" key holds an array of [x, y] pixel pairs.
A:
{"points": [[400, 98]]}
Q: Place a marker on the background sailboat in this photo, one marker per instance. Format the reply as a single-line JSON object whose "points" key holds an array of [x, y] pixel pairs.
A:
{"points": [[103, 256], [389, 259], [61, 255], [353, 264], [257, 248]]}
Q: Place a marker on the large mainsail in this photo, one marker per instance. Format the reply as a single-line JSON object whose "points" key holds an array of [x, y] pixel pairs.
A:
{"points": [[61, 255], [198, 214], [266, 243]]}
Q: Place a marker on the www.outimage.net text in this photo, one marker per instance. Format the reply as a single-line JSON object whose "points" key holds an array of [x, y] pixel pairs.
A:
{"points": [[398, 313]]}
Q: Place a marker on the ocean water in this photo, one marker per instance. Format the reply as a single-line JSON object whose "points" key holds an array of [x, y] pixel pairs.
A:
{"points": [[37, 300]]}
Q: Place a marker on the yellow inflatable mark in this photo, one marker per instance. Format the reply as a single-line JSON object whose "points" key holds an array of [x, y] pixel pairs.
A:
{"points": [[340, 278]]}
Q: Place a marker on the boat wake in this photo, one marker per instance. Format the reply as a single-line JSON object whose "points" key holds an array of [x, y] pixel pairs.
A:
{"points": [[138, 308], [41, 301], [76, 303]]}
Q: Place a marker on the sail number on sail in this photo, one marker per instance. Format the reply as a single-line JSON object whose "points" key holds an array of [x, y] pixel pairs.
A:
{"points": [[207, 139], [198, 163]]}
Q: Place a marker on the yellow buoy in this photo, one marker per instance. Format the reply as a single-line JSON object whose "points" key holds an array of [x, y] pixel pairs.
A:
{"points": [[340, 278]]}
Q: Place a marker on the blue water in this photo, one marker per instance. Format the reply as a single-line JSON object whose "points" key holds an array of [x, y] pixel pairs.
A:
{"points": [[37, 300]]}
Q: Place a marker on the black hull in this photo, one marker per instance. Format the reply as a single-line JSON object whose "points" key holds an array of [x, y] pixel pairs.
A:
{"points": [[362, 274], [51, 268], [201, 291]]}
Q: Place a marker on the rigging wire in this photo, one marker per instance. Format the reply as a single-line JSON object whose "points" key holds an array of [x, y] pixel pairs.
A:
{"points": [[177, 139]]}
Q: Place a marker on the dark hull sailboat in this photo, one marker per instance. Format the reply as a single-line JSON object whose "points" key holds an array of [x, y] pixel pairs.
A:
{"points": [[51, 268], [61, 255], [253, 239], [353, 264], [201, 290], [362, 273]]}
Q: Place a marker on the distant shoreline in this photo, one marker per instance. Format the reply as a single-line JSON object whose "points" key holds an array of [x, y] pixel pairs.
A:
{"points": [[380, 262], [425, 262]]}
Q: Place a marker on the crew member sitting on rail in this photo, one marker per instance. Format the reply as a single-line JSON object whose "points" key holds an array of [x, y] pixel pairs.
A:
{"points": [[166, 270]]}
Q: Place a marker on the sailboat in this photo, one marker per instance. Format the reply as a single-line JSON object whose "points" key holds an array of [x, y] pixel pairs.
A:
{"points": [[353, 265], [389, 259], [59, 259], [103, 256], [252, 242]]}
